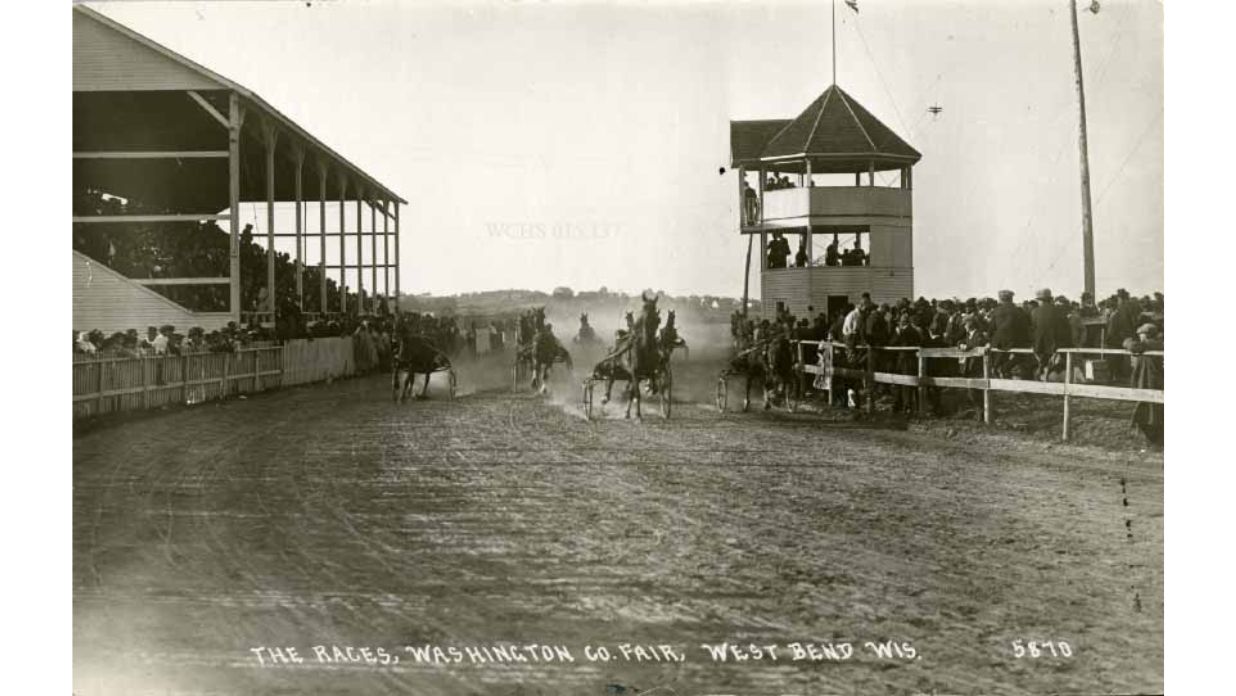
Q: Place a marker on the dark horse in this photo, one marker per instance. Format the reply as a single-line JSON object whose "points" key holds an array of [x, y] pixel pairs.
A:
{"points": [[546, 350], [642, 357], [531, 323], [586, 336], [414, 356], [779, 374]]}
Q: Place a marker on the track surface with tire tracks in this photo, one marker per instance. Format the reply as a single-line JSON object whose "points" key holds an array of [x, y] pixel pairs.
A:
{"points": [[325, 515]]}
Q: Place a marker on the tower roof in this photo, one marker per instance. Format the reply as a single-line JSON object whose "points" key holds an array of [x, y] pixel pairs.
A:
{"points": [[838, 135]]}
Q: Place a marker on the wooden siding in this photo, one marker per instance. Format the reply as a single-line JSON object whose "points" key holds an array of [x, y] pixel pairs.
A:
{"points": [[803, 287], [837, 202], [106, 300], [106, 60]]}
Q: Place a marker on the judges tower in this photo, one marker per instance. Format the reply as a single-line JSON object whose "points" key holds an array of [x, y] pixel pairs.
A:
{"points": [[812, 180]]}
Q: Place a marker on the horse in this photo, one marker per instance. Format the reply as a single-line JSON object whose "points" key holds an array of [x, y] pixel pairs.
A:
{"points": [[779, 376], [750, 364], [546, 350], [586, 336], [415, 355], [531, 323], [642, 357]]}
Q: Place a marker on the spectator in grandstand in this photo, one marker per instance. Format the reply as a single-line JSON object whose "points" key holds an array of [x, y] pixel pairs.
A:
{"points": [[82, 344], [800, 259]]}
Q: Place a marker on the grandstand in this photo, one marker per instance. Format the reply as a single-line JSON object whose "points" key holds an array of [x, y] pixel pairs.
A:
{"points": [[165, 151]]}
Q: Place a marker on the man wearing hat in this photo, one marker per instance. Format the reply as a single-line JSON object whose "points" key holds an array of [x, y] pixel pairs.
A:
{"points": [[1010, 329], [1120, 326], [1147, 374], [1050, 331]]}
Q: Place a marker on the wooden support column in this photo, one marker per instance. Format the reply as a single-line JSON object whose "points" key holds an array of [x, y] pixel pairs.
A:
{"points": [[360, 252], [743, 222], [763, 259], [373, 256], [1068, 380], [871, 173], [322, 175], [271, 135], [343, 251], [810, 234], [236, 117], [396, 255], [386, 248], [298, 156]]}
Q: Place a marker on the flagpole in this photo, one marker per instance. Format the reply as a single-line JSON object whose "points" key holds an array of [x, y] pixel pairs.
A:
{"points": [[834, 42]]}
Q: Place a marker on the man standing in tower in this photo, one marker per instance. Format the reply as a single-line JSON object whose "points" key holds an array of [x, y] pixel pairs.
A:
{"points": [[778, 251]]}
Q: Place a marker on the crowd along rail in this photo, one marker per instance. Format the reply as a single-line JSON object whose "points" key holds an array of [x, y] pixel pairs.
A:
{"points": [[826, 368], [113, 385]]}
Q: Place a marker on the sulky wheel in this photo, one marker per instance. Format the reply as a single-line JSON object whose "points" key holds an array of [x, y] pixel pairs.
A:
{"points": [[515, 376], [723, 393], [453, 383], [588, 399]]}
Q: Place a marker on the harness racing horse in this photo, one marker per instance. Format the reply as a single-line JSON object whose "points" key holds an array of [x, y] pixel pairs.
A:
{"points": [[586, 336], [780, 376], [749, 364], [546, 350], [531, 322], [414, 356], [642, 358]]}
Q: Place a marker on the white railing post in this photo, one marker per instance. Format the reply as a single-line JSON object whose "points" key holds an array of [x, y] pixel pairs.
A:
{"points": [[922, 388], [1068, 380], [986, 386]]}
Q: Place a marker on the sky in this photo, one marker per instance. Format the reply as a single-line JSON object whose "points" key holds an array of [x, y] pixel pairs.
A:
{"points": [[543, 144]]}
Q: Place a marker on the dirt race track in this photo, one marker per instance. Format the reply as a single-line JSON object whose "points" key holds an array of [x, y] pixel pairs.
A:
{"points": [[327, 516]]}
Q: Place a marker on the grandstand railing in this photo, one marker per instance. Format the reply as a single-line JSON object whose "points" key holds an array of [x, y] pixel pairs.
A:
{"points": [[826, 369], [114, 385]]}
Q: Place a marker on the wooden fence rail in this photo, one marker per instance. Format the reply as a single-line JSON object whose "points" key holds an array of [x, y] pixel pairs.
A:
{"points": [[113, 385], [826, 368]]}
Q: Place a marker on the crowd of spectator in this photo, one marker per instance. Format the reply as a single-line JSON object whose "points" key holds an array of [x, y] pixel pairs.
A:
{"points": [[192, 250], [1042, 325]]}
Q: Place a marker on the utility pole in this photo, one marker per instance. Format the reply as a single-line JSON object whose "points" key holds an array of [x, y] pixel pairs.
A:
{"points": [[1087, 215], [835, 42]]}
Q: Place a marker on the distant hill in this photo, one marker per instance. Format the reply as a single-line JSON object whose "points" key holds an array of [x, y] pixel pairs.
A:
{"points": [[565, 301]]}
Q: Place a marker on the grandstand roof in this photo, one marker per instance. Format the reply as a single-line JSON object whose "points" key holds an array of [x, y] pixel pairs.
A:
{"points": [[131, 93]]}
